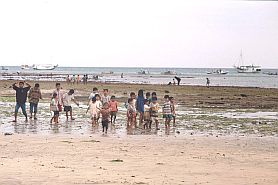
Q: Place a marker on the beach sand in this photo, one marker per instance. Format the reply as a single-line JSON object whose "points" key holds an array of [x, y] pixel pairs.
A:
{"points": [[90, 158], [34, 159]]}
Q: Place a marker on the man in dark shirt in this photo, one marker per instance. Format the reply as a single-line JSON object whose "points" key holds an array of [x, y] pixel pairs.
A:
{"points": [[178, 79], [21, 96]]}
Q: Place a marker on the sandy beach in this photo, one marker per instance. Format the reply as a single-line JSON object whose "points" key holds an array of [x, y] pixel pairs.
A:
{"points": [[223, 135], [34, 159]]}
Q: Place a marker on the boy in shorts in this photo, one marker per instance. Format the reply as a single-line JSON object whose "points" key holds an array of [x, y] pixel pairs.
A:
{"points": [[105, 113], [167, 112], [67, 99]]}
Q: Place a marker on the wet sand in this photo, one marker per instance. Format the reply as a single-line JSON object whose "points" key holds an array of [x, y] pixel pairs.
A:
{"points": [[189, 96], [223, 135]]}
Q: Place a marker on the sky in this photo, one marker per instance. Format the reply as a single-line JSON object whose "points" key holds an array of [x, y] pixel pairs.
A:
{"points": [[145, 33]]}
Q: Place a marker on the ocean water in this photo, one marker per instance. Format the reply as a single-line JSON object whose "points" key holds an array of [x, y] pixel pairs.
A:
{"points": [[189, 76]]}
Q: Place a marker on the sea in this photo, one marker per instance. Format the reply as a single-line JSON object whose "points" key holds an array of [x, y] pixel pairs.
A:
{"points": [[268, 78]]}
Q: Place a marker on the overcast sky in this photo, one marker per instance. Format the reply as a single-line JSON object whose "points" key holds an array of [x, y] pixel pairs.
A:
{"points": [[143, 33]]}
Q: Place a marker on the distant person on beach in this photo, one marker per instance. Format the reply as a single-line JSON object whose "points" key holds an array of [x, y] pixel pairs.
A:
{"points": [[54, 108], [21, 97], [154, 107], [208, 82], [131, 114], [34, 97], [105, 114], [83, 79], [93, 110], [140, 105], [122, 75], [78, 79], [59, 93], [167, 112], [174, 82], [86, 79], [178, 79], [173, 109], [68, 79], [113, 105], [105, 98], [67, 99], [73, 79]]}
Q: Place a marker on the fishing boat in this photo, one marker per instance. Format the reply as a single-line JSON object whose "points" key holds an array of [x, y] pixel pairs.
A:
{"points": [[107, 72], [3, 68], [44, 67], [25, 67], [169, 72], [247, 68], [218, 72], [143, 72]]}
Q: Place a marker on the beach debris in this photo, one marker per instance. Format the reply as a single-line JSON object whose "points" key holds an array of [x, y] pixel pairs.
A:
{"points": [[8, 134], [160, 163], [178, 132], [167, 91], [243, 95], [59, 167], [91, 141], [69, 142], [117, 160]]}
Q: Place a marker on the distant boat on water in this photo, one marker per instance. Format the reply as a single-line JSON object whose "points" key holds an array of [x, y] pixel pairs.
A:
{"points": [[3, 68], [247, 68], [218, 72], [25, 67], [44, 67], [169, 72], [143, 72]]}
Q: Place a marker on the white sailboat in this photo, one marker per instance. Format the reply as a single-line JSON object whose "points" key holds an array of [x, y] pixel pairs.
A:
{"points": [[44, 67], [247, 68], [218, 72]]}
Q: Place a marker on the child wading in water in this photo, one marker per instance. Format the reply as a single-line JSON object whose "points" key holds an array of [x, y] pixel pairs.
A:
{"points": [[140, 106], [54, 108], [154, 107], [113, 105], [167, 112], [67, 98], [173, 110], [98, 106], [105, 113], [147, 115], [93, 110], [131, 113]]}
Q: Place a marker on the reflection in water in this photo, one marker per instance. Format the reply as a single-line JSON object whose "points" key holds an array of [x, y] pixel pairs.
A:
{"points": [[54, 128], [20, 128], [33, 127]]}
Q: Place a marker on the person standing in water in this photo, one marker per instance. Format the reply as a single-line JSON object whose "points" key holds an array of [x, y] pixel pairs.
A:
{"points": [[34, 97], [208, 82], [21, 97]]}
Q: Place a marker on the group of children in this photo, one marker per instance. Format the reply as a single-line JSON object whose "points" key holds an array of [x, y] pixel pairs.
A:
{"points": [[100, 105], [147, 108]]}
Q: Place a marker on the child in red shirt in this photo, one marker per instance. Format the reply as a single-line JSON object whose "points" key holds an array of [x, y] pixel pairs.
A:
{"points": [[113, 105]]}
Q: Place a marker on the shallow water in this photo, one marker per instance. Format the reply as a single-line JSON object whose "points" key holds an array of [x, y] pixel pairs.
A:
{"points": [[189, 121], [189, 76]]}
